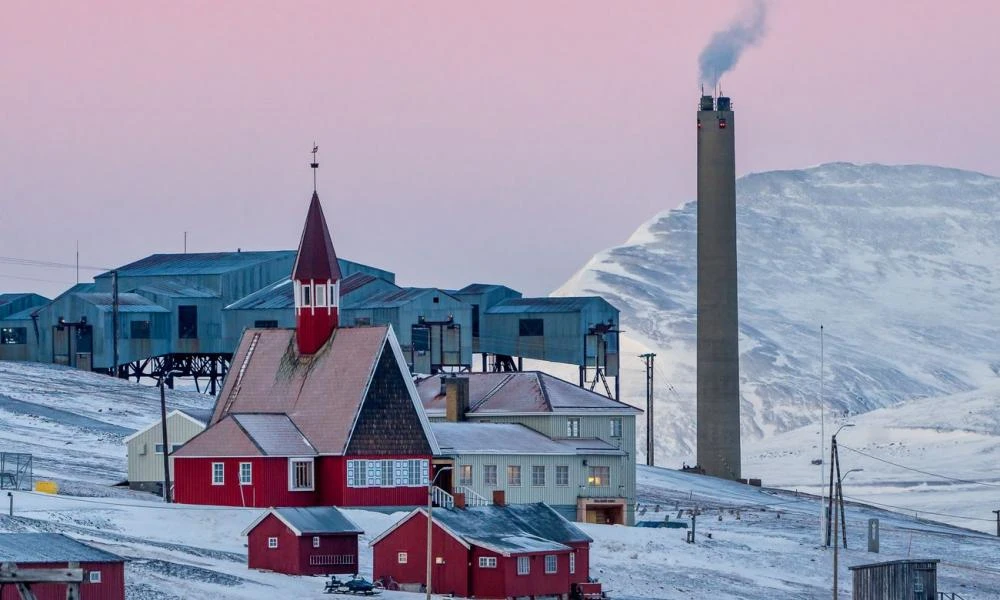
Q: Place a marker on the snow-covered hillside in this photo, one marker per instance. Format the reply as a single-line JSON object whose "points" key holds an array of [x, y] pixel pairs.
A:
{"points": [[899, 263]]}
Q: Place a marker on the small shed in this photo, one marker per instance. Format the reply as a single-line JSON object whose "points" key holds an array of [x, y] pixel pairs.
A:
{"points": [[315, 540], [145, 447], [908, 579], [103, 572]]}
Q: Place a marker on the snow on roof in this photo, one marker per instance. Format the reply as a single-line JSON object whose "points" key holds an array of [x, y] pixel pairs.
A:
{"points": [[495, 438], [198, 263], [128, 302], [275, 435], [509, 529], [559, 304], [49, 548], [314, 520]]}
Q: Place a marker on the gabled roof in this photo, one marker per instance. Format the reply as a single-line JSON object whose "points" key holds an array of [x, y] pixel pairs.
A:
{"points": [[173, 288], [225, 438], [560, 304], [275, 435], [312, 520], [495, 438], [527, 392], [396, 298], [49, 548], [197, 263], [482, 288], [316, 258], [128, 302], [198, 417], [320, 394], [509, 530], [281, 294]]}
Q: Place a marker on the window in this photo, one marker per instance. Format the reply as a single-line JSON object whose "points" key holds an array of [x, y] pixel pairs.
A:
{"points": [[420, 337], [300, 475], [531, 327], [401, 558], [306, 295], [94, 576], [599, 476], [218, 474], [173, 448], [487, 562], [387, 473], [514, 475], [490, 475], [187, 322], [246, 473], [475, 320], [562, 475], [14, 335], [616, 427], [538, 475], [320, 295], [573, 427], [266, 324], [523, 565], [139, 330], [572, 563], [315, 541], [272, 542], [551, 563], [386, 476], [356, 473], [465, 475], [362, 321]]}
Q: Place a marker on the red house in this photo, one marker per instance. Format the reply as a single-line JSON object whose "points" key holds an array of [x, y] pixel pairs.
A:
{"points": [[312, 416], [303, 541], [103, 572], [496, 551]]}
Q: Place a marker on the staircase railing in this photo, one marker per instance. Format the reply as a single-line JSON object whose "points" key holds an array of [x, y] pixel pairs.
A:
{"points": [[949, 596], [442, 498], [471, 497]]}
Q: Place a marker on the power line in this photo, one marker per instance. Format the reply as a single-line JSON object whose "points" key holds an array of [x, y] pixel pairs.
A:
{"points": [[889, 462], [28, 262], [6, 276], [914, 510]]}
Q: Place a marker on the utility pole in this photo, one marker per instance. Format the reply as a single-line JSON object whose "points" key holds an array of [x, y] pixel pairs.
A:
{"points": [[834, 517], [648, 359], [163, 431], [114, 322], [823, 516], [998, 522]]}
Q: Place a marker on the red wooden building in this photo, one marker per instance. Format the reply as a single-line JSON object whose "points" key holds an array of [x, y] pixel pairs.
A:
{"points": [[496, 551], [303, 541], [103, 572], [312, 416]]}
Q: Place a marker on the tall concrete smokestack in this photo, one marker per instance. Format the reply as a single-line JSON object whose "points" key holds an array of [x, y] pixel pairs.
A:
{"points": [[718, 320]]}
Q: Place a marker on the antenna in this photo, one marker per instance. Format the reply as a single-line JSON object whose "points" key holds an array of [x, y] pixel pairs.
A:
{"points": [[185, 242], [78, 261], [314, 164]]}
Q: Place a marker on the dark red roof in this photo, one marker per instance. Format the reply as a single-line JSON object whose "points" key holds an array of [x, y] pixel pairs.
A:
{"points": [[316, 258]]}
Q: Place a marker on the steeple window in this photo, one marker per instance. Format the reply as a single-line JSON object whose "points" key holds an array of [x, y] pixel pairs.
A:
{"points": [[321, 294], [306, 294]]}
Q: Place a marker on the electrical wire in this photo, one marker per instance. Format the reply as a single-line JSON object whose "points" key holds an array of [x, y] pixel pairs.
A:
{"points": [[914, 510], [28, 262], [889, 462]]}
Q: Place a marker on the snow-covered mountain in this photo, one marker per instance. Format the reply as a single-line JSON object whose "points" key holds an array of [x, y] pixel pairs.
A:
{"points": [[900, 264]]}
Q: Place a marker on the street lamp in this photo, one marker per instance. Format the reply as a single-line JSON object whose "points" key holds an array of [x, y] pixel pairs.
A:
{"points": [[430, 524], [841, 427], [163, 431]]}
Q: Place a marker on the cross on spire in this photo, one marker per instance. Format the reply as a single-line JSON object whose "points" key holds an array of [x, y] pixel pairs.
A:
{"points": [[314, 164]]}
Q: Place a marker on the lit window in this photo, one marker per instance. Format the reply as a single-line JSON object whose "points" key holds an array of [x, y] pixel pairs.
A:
{"points": [[246, 473], [523, 565], [320, 295], [401, 558], [14, 335], [599, 476], [272, 542], [514, 475], [465, 475], [490, 475], [616, 427], [300, 475], [572, 563], [573, 427], [218, 474], [562, 475], [315, 541], [94, 577], [487, 562], [538, 475], [550, 563]]}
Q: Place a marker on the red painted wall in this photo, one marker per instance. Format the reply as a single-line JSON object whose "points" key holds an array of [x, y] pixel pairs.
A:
{"points": [[536, 583], [284, 558], [582, 562], [313, 327], [411, 537], [112, 586], [269, 487], [328, 544], [377, 496]]}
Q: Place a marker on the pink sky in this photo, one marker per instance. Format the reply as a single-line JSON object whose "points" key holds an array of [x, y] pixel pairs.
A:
{"points": [[460, 141]]}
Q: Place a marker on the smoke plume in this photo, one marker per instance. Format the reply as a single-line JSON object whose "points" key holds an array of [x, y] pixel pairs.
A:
{"points": [[724, 49]]}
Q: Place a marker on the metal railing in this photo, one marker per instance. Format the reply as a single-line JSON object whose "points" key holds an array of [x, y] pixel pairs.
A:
{"points": [[442, 498], [471, 497], [949, 596]]}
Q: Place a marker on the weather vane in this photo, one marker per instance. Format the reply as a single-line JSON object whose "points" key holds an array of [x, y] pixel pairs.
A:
{"points": [[314, 164]]}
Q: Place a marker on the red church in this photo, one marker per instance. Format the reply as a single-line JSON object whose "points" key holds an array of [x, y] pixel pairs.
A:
{"points": [[313, 416]]}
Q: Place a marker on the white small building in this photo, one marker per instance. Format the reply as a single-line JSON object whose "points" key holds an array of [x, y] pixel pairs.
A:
{"points": [[145, 447]]}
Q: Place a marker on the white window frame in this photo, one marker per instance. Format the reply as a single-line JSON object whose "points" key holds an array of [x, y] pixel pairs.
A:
{"points": [[487, 562], [221, 479], [316, 541], [248, 480], [511, 469], [291, 474], [616, 427], [487, 469], [572, 563], [94, 576], [465, 475], [320, 291], [524, 565], [306, 291], [401, 558], [573, 427], [563, 469], [591, 477], [272, 543], [553, 560], [535, 469]]}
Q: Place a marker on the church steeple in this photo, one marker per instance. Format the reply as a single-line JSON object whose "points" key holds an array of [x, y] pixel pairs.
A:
{"points": [[316, 276]]}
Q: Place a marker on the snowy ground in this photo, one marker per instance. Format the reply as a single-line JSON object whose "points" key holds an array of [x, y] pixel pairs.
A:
{"points": [[764, 547]]}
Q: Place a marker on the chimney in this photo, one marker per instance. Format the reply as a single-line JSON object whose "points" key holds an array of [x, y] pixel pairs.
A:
{"points": [[459, 500], [498, 498], [456, 398]]}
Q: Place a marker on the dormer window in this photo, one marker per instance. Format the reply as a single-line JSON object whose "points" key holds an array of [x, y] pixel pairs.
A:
{"points": [[306, 294], [321, 295]]}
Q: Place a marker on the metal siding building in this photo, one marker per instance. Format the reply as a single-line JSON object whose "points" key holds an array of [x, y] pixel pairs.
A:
{"points": [[482, 296], [145, 464], [896, 580], [19, 302]]}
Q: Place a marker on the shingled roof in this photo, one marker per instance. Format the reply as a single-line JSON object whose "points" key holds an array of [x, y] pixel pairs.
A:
{"points": [[316, 259]]}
